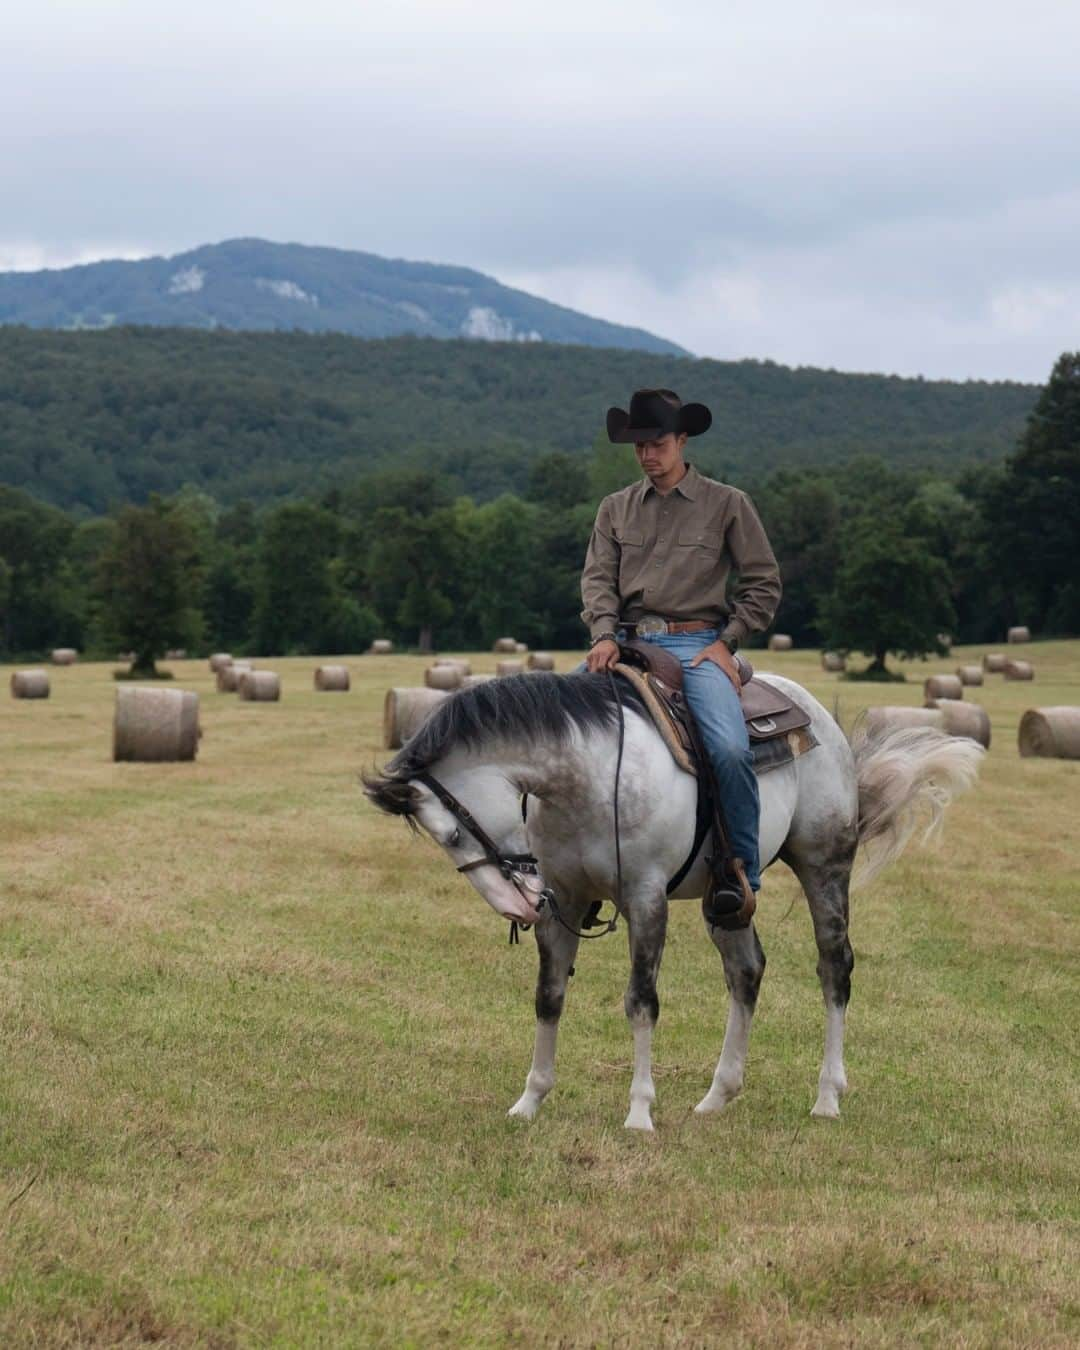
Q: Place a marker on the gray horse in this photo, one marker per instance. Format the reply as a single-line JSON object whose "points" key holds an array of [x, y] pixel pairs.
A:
{"points": [[558, 738]]}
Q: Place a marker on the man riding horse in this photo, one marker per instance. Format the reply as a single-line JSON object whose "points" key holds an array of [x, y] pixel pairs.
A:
{"points": [[661, 553]]}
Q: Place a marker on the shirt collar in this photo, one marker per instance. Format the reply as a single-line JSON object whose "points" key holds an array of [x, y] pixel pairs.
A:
{"points": [[687, 487]]}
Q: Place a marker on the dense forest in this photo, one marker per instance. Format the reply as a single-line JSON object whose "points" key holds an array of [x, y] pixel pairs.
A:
{"points": [[90, 420], [401, 551]]}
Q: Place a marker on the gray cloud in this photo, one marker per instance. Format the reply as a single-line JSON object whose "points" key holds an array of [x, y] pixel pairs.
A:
{"points": [[869, 186]]}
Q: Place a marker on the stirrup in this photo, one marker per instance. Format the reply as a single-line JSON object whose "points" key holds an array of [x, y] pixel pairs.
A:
{"points": [[737, 901]]}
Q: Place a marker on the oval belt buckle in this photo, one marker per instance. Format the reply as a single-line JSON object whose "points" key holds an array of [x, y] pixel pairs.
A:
{"points": [[650, 625]]}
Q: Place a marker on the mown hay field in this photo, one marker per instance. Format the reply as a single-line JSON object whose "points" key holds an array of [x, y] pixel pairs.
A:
{"points": [[258, 1043]]}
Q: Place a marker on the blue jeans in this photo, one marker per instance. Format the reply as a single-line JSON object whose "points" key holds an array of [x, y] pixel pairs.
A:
{"points": [[718, 713]]}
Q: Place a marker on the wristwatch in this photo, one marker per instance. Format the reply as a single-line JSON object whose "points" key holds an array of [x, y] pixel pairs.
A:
{"points": [[730, 641]]}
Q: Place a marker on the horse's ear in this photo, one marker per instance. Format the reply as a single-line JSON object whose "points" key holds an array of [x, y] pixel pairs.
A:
{"points": [[396, 796]]}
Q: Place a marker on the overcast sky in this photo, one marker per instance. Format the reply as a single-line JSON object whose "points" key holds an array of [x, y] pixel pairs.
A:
{"points": [[870, 186]]}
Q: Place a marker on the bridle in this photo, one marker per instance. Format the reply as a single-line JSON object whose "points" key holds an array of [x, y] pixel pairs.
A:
{"points": [[518, 867]]}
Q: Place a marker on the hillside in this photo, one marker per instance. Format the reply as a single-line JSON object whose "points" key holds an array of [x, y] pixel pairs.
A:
{"points": [[87, 419], [254, 284]]}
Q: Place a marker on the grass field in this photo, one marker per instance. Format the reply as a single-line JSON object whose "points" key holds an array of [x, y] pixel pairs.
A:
{"points": [[258, 1044]]}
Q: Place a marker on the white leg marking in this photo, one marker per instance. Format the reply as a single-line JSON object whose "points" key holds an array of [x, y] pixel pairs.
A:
{"points": [[832, 1083], [541, 1077], [728, 1079], [642, 1091]]}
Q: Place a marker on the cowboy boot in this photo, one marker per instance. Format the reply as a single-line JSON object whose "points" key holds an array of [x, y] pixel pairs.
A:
{"points": [[729, 902]]}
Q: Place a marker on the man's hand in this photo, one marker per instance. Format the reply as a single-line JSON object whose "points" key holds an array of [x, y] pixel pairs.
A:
{"points": [[603, 656], [718, 653]]}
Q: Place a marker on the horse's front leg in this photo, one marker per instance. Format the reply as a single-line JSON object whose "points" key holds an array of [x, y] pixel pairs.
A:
{"points": [[648, 929], [557, 948]]}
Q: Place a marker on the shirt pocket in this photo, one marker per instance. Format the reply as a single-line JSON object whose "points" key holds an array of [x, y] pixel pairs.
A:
{"points": [[631, 558], [698, 552]]}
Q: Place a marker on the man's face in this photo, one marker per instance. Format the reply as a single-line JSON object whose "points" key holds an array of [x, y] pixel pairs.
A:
{"points": [[658, 458]]}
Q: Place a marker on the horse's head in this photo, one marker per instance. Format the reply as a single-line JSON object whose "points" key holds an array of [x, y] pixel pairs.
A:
{"points": [[492, 802]]}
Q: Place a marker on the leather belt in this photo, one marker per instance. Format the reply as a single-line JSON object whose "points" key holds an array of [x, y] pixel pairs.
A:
{"points": [[651, 625]]}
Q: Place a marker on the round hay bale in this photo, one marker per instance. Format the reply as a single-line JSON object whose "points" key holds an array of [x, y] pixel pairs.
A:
{"points": [[970, 674], [964, 719], [1019, 670], [470, 681], [514, 667], [541, 661], [260, 686], [404, 711], [887, 717], [780, 642], [945, 639], [833, 661], [219, 660], [459, 661], [176, 654], [1050, 733], [994, 662], [504, 645], [64, 656], [228, 677], [382, 647], [1019, 634], [443, 677], [521, 648], [155, 724], [30, 684], [332, 679], [943, 686]]}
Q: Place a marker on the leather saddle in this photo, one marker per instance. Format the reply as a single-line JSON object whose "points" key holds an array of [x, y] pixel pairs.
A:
{"points": [[778, 727]]}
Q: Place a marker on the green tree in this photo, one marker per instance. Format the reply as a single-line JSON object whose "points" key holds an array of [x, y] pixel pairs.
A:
{"points": [[558, 480], [412, 569], [296, 597], [150, 583], [890, 595]]}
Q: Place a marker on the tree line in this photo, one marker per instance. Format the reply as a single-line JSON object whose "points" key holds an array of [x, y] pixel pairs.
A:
{"points": [[874, 557]]}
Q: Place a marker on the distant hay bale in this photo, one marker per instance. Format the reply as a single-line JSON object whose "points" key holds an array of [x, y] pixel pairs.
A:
{"points": [[515, 667], [994, 662], [833, 661], [780, 642], [541, 661], [459, 661], [1050, 733], [945, 640], [1019, 670], [30, 684], [471, 681], [228, 677], [943, 686], [887, 716], [176, 654], [964, 719], [332, 679], [521, 648], [155, 724], [220, 659], [504, 644], [404, 710], [260, 686], [1019, 634], [64, 656], [382, 647], [970, 674], [443, 677]]}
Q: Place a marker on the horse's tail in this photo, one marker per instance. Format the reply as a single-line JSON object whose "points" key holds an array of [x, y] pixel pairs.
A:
{"points": [[907, 776]]}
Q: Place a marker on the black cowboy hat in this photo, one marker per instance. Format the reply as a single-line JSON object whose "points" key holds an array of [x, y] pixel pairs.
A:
{"points": [[653, 413]]}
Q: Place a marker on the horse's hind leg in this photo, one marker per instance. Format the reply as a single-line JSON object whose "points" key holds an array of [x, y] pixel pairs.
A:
{"points": [[826, 887], [557, 949], [744, 965]]}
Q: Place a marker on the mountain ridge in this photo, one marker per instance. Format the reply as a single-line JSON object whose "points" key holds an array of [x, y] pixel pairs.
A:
{"points": [[259, 285]]}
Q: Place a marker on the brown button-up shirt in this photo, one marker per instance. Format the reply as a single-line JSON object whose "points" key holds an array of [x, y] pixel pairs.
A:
{"points": [[672, 555]]}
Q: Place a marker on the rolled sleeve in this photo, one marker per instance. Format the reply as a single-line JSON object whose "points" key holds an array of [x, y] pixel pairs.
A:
{"points": [[600, 577], [757, 592]]}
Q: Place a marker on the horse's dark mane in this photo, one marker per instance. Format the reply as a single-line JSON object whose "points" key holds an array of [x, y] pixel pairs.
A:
{"points": [[537, 706]]}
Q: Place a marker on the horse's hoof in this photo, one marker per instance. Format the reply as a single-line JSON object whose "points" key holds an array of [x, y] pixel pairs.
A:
{"points": [[637, 1122], [523, 1109], [826, 1108], [716, 1101]]}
